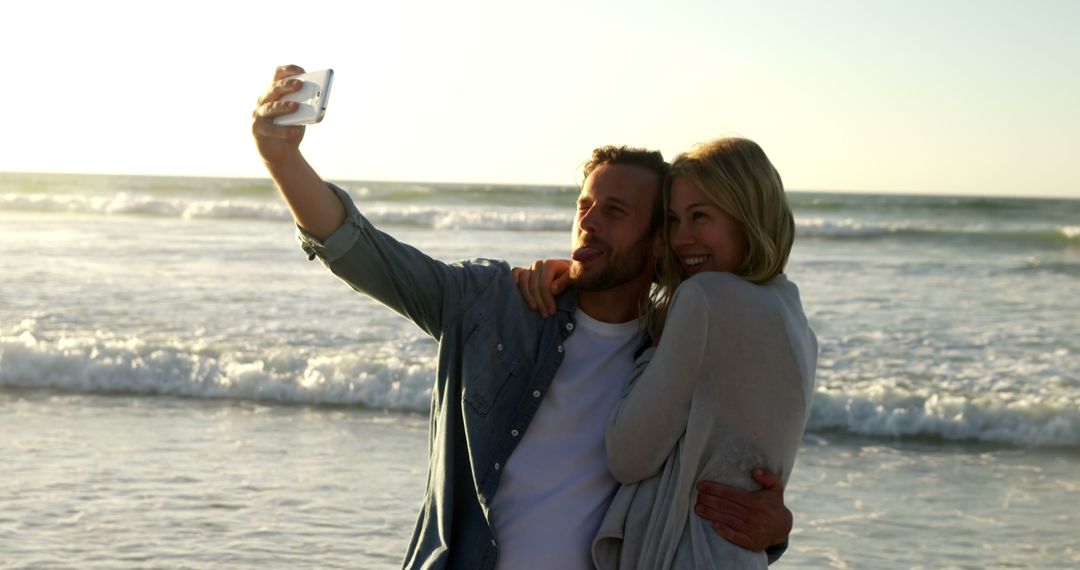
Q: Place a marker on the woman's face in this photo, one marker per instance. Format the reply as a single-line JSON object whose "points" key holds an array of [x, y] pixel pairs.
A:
{"points": [[702, 236]]}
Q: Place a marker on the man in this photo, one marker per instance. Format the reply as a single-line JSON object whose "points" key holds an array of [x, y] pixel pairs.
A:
{"points": [[517, 475]]}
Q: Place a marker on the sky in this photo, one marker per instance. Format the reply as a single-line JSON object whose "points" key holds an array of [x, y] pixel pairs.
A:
{"points": [[974, 97]]}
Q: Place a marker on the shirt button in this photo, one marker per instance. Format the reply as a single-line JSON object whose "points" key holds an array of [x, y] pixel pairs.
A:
{"points": [[493, 542], [499, 348], [569, 326], [560, 348], [514, 432], [497, 466], [536, 393], [483, 501]]}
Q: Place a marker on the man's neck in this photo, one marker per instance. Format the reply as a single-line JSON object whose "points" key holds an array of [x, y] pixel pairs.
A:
{"points": [[616, 305]]}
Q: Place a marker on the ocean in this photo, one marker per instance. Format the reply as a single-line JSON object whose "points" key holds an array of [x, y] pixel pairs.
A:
{"points": [[181, 388]]}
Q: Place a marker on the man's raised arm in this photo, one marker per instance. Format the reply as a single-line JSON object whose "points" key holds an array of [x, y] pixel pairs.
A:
{"points": [[425, 290], [313, 205]]}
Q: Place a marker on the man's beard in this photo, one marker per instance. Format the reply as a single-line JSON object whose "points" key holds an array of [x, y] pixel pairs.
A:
{"points": [[621, 268]]}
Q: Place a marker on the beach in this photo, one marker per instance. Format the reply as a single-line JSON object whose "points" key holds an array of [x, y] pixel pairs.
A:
{"points": [[181, 388], [120, 482]]}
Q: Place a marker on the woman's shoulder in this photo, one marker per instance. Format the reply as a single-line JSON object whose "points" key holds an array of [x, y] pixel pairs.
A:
{"points": [[732, 288], [716, 281], [740, 299]]}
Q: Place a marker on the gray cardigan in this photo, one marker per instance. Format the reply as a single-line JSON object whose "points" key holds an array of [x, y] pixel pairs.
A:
{"points": [[727, 389]]}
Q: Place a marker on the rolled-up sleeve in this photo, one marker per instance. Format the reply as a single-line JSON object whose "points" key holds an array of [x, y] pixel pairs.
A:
{"points": [[343, 238], [412, 283]]}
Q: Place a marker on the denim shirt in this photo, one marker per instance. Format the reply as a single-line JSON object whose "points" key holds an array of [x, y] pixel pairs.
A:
{"points": [[497, 358]]}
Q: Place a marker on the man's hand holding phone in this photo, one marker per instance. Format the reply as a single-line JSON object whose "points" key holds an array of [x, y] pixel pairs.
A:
{"points": [[312, 96], [293, 100], [278, 143]]}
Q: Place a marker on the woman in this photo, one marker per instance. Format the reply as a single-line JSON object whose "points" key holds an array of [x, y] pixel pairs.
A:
{"points": [[727, 386]]}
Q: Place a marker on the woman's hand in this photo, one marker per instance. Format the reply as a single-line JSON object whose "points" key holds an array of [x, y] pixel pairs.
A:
{"points": [[539, 284]]}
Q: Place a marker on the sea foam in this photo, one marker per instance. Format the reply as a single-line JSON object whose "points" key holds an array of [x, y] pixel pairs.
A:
{"points": [[442, 217], [850, 229], [383, 378], [480, 216], [1037, 422], [103, 366]]}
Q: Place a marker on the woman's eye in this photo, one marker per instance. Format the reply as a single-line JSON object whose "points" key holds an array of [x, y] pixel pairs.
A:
{"points": [[699, 216]]}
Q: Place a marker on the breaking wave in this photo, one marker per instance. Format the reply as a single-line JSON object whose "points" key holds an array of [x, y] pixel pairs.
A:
{"points": [[384, 379]]}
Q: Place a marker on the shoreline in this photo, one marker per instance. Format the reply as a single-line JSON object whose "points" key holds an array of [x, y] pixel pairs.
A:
{"points": [[204, 483]]}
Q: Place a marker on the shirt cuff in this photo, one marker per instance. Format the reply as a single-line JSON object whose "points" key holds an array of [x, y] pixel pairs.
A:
{"points": [[341, 241]]}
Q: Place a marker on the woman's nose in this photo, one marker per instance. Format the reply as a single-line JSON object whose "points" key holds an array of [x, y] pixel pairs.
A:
{"points": [[680, 235]]}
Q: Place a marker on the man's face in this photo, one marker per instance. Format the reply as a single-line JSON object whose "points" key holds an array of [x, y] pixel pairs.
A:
{"points": [[612, 241]]}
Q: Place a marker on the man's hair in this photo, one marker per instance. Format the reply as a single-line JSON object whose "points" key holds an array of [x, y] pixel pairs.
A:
{"points": [[650, 160]]}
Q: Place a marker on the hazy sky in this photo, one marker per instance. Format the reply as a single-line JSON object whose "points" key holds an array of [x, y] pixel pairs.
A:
{"points": [[967, 97]]}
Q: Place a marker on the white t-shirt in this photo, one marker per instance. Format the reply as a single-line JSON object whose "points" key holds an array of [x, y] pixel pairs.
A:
{"points": [[556, 485]]}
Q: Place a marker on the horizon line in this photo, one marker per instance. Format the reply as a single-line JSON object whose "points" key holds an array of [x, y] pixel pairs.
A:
{"points": [[267, 178]]}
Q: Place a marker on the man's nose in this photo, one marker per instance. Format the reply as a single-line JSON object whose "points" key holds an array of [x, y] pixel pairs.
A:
{"points": [[587, 221]]}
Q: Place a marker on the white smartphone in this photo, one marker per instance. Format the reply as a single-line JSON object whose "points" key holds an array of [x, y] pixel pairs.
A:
{"points": [[312, 96]]}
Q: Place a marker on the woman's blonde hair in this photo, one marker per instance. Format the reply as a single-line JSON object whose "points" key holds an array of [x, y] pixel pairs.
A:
{"points": [[736, 175]]}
